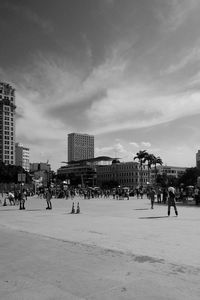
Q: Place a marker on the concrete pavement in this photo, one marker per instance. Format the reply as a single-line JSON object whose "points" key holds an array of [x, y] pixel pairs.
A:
{"points": [[115, 249]]}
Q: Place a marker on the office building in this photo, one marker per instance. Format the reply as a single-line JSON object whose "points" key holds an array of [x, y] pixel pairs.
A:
{"points": [[80, 146], [7, 124], [198, 159], [22, 156]]}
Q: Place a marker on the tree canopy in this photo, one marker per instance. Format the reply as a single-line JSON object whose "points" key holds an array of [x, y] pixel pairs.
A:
{"points": [[9, 173]]}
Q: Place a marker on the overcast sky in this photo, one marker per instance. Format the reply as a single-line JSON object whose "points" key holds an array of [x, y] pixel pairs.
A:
{"points": [[126, 71]]}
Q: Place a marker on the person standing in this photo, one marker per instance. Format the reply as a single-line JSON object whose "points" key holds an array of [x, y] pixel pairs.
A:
{"points": [[196, 195], [171, 200], [48, 198], [21, 200], [152, 194], [165, 194], [159, 195]]}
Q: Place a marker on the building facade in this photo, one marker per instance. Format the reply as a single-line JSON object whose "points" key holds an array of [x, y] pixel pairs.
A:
{"points": [[22, 156], [198, 159], [126, 174], [7, 124], [41, 171], [168, 170], [80, 146]]}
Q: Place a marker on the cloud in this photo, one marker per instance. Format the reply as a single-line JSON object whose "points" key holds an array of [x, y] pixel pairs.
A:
{"points": [[192, 56], [134, 144], [174, 14], [146, 144], [31, 16], [116, 150], [104, 101]]}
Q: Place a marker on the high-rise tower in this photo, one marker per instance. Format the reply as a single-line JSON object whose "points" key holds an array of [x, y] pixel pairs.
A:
{"points": [[7, 124], [22, 156], [198, 159], [80, 146]]}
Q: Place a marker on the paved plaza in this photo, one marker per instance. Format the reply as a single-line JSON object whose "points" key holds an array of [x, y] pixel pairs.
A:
{"points": [[113, 249]]}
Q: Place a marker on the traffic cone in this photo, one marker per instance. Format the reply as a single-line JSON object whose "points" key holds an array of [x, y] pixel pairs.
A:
{"points": [[78, 209], [73, 209]]}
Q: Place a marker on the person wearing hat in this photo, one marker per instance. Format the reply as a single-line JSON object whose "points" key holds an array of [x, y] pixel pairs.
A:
{"points": [[171, 200]]}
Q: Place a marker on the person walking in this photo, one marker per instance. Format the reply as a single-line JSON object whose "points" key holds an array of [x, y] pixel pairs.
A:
{"points": [[159, 195], [48, 198], [21, 200], [171, 200], [152, 194]]}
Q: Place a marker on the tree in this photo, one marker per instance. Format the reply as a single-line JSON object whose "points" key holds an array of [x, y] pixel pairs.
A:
{"points": [[190, 177], [157, 161], [9, 173], [150, 158], [165, 180], [140, 156]]}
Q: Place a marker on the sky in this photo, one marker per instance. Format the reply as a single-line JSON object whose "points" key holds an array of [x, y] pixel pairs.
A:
{"points": [[125, 71]]}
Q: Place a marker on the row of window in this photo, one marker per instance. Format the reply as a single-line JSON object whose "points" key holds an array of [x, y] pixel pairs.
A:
{"points": [[7, 138], [7, 157], [7, 123], [7, 162]]}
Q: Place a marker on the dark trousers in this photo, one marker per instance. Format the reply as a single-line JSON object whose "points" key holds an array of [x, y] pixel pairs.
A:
{"points": [[175, 209], [152, 203], [21, 204], [49, 205]]}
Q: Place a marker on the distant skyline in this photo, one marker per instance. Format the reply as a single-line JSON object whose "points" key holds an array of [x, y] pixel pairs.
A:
{"points": [[125, 71]]}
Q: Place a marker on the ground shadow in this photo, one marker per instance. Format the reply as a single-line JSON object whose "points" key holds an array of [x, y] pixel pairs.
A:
{"points": [[35, 209], [141, 208], [9, 209], [159, 217]]}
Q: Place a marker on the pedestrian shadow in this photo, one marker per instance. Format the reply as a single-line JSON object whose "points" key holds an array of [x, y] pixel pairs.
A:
{"points": [[159, 217], [35, 209], [141, 208], [2, 210]]}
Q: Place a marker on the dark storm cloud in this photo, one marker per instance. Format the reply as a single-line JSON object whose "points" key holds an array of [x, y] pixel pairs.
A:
{"points": [[102, 66], [74, 114]]}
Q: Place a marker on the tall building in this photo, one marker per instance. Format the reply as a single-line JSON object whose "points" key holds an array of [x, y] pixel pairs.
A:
{"points": [[198, 159], [7, 124], [22, 156], [80, 146]]}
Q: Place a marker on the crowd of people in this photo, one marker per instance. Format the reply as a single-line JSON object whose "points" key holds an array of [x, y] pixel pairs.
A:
{"points": [[154, 194]]}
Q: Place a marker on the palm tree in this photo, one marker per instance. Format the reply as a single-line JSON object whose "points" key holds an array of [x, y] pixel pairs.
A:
{"points": [[156, 161], [150, 158], [140, 156]]}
